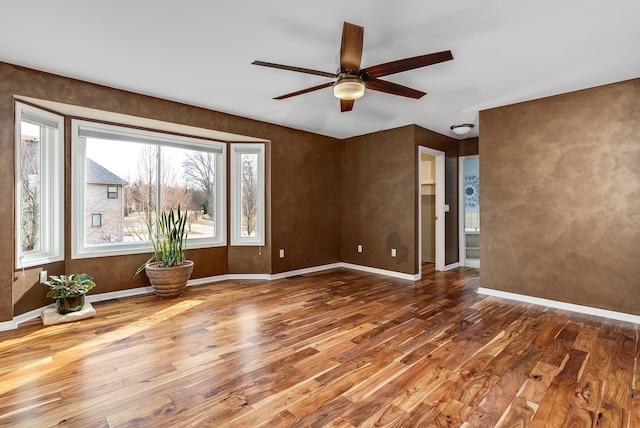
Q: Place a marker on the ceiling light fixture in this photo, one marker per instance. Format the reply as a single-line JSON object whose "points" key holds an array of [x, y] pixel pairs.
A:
{"points": [[465, 128], [348, 87]]}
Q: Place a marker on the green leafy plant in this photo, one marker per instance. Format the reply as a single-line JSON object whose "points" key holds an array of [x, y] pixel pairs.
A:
{"points": [[72, 285], [169, 247]]}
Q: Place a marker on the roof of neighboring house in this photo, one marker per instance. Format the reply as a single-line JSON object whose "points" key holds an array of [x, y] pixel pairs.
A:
{"points": [[96, 173]]}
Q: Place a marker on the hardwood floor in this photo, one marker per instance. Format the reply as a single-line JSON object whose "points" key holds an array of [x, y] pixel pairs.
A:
{"points": [[338, 348]]}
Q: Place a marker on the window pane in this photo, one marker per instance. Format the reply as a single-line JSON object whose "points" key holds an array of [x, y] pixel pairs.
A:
{"points": [[30, 169], [112, 192], [142, 173], [96, 220], [39, 187], [249, 194], [131, 217], [188, 179]]}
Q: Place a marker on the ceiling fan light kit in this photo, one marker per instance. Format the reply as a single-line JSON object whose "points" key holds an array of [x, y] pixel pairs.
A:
{"points": [[351, 80], [348, 88], [463, 129]]}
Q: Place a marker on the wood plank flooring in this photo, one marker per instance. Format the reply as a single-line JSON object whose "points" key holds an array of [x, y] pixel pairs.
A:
{"points": [[338, 348]]}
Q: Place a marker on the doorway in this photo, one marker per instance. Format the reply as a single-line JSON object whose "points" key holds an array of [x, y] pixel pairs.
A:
{"points": [[431, 207], [428, 206], [469, 202]]}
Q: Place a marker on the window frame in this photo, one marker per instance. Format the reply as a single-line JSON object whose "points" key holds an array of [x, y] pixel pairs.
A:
{"points": [[114, 193], [80, 249], [236, 152], [51, 177]]}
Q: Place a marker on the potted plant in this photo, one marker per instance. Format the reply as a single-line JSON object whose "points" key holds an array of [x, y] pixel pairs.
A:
{"points": [[168, 269], [69, 291]]}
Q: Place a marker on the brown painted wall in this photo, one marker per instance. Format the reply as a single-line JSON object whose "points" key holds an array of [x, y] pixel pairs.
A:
{"points": [[469, 146], [27, 288], [561, 197], [379, 180], [379, 204], [304, 173], [7, 230], [306, 222]]}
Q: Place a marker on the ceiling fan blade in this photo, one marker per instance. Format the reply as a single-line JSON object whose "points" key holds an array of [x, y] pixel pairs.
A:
{"points": [[405, 64], [393, 88], [351, 48], [346, 105], [304, 91], [298, 69]]}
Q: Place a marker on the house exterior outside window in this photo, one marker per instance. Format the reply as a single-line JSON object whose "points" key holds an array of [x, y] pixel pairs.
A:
{"points": [[108, 225]]}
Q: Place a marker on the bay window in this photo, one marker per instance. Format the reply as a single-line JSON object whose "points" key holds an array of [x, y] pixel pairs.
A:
{"points": [[145, 172]]}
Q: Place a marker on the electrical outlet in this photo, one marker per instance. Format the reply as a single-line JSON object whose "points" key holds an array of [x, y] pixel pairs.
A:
{"points": [[393, 252], [43, 276], [282, 253], [359, 248]]}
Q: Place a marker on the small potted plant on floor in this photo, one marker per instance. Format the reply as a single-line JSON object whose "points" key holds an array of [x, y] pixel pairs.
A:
{"points": [[168, 269], [69, 291]]}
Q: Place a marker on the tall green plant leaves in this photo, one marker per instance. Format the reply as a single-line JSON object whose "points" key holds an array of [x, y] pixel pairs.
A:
{"points": [[169, 247]]}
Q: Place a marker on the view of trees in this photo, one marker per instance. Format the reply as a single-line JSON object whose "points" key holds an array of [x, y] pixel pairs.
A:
{"points": [[140, 196], [30, 192], [192, 188], [199, 171], [249, 176]]}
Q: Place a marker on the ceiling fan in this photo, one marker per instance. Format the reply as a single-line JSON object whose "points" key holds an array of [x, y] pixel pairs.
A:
{"points": [[351, 80]]}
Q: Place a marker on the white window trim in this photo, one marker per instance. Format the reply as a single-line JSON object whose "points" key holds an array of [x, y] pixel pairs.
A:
{"points": [[236, 201], [81, 250], [52, 189]]}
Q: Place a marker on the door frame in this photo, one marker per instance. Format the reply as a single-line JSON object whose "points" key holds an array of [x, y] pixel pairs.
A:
{"points": [[462, 244], [440, 244]]}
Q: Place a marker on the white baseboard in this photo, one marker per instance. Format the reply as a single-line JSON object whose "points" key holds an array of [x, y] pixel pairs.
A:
{"points": [[205, 280], [452, 266], [118, 294], [13, 324], [588, 310], [8, 325], [253, 276], [305, 271], [385, 272]]}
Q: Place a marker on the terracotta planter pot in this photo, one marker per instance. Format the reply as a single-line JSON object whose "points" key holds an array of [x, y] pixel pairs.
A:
{"points": [[169, 281]]}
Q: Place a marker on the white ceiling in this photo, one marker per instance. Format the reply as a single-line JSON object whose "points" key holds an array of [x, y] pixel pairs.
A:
{"points": [[199, 52]]}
